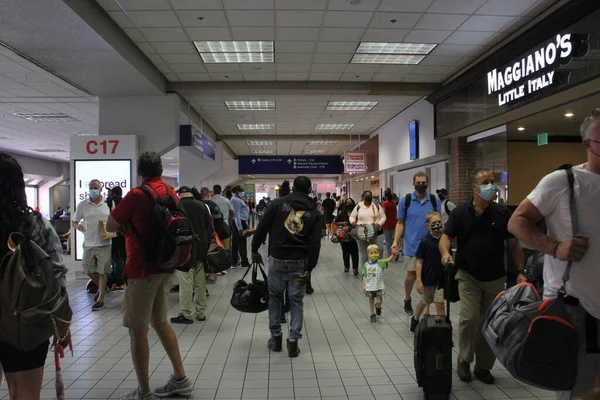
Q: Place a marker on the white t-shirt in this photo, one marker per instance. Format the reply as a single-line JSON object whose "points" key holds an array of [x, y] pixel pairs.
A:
{"points": [[551, 197], [92, 214], [373, 272], [445, 215]]}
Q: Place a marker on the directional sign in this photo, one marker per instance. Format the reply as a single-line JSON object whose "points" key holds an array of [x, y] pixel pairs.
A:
{"points": [[190, 136], [294, 165]]}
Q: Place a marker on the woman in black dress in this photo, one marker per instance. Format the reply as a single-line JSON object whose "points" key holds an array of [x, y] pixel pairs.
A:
{"points": [[348, 243]]}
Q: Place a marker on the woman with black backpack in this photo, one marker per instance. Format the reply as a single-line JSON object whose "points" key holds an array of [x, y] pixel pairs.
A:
{"points": [[24, 369]]}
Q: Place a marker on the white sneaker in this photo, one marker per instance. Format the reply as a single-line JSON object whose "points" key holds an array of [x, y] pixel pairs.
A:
{"points": [[185, 387], [136, 395]]}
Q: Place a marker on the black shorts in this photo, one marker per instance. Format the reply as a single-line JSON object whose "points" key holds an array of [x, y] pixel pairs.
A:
{"points": [[15, 360], [328, 218]]}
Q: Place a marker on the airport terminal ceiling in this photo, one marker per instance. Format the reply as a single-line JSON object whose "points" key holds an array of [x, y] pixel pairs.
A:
{"points": [[322, 73]]}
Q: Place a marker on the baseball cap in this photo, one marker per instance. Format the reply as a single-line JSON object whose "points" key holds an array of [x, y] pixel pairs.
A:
{"points": [[184, 189], [442, 191]]}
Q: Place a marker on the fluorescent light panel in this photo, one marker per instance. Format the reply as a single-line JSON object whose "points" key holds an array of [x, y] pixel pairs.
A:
{"points": [[254, 127], [213, 52], [320, 151], [395, 48], [45, 117], [259, 143], [322, 142], [351, 105], [400, 59], [250, 105], [334, 126], [263, 151]]}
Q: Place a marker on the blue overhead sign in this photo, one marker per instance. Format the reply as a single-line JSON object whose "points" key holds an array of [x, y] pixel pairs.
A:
{"points": [[190, 136], [293, 165]]}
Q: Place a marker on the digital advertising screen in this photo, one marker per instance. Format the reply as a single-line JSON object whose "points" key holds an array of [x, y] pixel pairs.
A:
{"points": [[413, 139], [110, 173]]}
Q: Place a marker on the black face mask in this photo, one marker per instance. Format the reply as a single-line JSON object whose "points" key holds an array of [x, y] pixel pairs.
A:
{"points": [[421, 188], [368, 199]]}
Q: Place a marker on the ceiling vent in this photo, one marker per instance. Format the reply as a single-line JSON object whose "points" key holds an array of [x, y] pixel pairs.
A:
{"points": [[45, 117]]}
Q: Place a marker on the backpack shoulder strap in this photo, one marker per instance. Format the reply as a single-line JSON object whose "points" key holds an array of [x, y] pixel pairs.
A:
{"points": [[407, 201], [144, 189], [433, 200], [446, 208], [574, 224]]}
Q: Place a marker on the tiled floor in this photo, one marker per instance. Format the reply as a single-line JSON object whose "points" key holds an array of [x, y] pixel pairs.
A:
{"points": [[344, 356]]}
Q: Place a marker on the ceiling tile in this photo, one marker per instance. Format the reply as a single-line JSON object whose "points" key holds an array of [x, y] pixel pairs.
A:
{"points": [[510, 8], [293, 34], [154, 19], [130, 5], [121, 19], [441, 60], [405, 5], [215, 33], [341, 35], [164, 34], [293, 57], [181, 58], [134, 34], [332, 58], [357, 77], [453, 50], [347, 19], [262, 76], [300, 5], [441, 21], [193, 77], [385, 35], [251, 18], [467, 37], [293, 67], [146, 47], [426, 36], [324, 76], [425, 78], [328, 67], [155, 58], [209, 18], [455, 6], [336, 47], [389, 77], [257, 68], [248, 4], [362, 68], [215, 68], [395, 69], [177, 68], [246, 33], [196, 5], [174, 47], [486, 23], [227, 76], [299, 18], [431, 70], [295, 47], [402, 21]]}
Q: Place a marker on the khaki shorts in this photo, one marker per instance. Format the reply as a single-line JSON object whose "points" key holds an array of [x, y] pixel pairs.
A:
{"points": [[431, 294], [97, 260], [410, 263], [226, 243], [146, 301]]}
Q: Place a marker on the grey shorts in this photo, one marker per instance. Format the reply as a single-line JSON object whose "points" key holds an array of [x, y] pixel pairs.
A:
{"points": [[97, 260], [375, 294]]}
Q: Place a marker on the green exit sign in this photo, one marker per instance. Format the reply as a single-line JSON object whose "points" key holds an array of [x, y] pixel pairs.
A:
{"points": [[542, 139]]}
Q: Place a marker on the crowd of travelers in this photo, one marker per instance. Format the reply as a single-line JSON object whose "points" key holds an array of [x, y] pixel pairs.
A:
{"points": [[138, 241]]}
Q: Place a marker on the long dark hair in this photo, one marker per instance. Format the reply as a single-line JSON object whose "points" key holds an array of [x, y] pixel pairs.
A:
{"points": [[13, 201]]}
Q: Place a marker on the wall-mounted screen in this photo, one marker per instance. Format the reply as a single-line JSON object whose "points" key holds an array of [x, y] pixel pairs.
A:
{"points": [[413, 139], [110, 173]]}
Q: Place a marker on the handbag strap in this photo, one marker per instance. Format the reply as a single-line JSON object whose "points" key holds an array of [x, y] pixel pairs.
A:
{"points": [[255, 268], [574, 224]]}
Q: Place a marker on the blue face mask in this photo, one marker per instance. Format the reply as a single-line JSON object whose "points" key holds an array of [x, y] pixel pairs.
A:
{"points": [[487, 191], [94, 193]]}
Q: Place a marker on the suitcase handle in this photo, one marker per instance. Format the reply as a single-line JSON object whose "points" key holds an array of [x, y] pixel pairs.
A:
{"points": [[447, 290]]}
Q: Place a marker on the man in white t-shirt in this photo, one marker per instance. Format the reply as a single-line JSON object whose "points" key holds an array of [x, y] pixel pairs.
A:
{"points": [[550, 200], [96, 260]]}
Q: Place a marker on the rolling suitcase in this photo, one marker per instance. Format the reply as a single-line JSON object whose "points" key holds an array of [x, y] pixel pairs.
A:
{"points": [[433, 355]]}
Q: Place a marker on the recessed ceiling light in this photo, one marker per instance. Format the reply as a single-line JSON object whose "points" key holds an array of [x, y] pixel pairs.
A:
{"points": [[520, 128], [263, 152], [259, 143], [251, 127], [395, 48], [87, 134], [334, 126], [45, 117], [250, 105], [350, 105], [372, 177], [235, 51], [569, 115], [400, 59], [319, 151], [322, 142]]}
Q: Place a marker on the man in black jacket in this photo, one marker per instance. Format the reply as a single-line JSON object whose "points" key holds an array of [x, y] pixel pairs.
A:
{"points": [[193, 280], [294, 227]]}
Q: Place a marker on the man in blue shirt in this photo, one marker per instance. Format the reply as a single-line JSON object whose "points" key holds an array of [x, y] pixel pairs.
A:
{"points": [[411, 229], [241, 212]]}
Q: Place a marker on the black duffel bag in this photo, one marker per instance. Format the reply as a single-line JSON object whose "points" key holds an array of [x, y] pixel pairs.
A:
{"points": [[217, 259], [251, 297]]}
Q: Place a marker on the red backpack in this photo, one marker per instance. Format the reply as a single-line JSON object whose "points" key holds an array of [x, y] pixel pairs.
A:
{"points": [[171, 240]]}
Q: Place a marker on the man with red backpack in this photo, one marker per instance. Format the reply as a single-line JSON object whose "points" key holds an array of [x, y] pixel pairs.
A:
{"points": [[148, 282]]}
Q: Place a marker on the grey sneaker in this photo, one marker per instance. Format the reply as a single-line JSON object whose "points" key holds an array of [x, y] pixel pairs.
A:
{"points": [[136, 395], [184, 387]]}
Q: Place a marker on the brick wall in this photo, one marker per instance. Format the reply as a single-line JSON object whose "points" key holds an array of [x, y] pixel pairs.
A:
{"points": [[462, 167]]}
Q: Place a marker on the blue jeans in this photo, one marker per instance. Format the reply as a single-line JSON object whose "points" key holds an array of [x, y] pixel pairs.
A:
{"points": [[388, 234], [282, 275]]}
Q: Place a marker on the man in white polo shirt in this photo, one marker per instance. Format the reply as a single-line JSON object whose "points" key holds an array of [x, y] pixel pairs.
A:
{"points": [[88, 218], [550, 200]]}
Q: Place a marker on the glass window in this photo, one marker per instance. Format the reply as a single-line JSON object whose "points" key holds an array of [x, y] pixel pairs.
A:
{"points": [[32, 196]]}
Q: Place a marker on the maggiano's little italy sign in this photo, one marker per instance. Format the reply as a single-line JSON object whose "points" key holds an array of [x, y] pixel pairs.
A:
{"points": [[537, 70]]}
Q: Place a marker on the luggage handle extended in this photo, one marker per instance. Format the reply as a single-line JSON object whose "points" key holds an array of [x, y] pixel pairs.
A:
{"points": [[447, 290]]}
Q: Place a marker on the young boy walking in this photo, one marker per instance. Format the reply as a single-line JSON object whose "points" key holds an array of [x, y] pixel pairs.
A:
{"points": [[373, 286], [429, 270]]}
